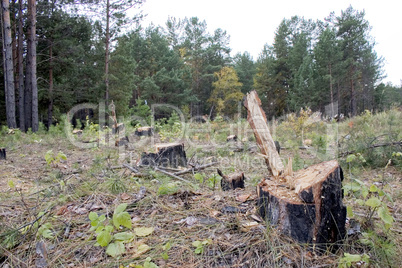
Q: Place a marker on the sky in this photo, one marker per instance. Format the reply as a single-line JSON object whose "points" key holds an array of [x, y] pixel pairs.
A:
{"points": [[252, 23]]}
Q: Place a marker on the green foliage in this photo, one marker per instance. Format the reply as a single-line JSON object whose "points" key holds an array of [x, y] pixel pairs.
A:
{"points": [[372, 199], [52, 159], [227, 92], [141, 113], [107, 235], [382, 248], [351, 259], [167, 189], [199, 245]]}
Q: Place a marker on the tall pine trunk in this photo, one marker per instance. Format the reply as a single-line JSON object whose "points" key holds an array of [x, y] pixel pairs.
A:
{"points": [[50, 108], [8, 65], [28, 76], [31, 88], [35, 109], [107, 53], [21, 104]]}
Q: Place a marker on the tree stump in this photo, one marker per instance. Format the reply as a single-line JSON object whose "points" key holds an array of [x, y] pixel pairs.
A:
{"points": [[306, 205], [144, 131], [312, 211], [2, 153], [231, 138], [167, 155], [231, 181]]}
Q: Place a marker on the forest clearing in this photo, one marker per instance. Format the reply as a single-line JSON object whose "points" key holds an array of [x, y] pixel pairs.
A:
{"points": [[52, 192], [124, 145]]}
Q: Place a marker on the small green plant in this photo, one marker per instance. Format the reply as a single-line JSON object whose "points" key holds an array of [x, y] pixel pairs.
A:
{"points": [[52, 159], [107, 234], [165, 249], [353, 259], [168, 188], [199, 245]]}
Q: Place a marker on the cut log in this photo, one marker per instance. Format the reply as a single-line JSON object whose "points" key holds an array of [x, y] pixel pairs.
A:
{"points": [[167, 155], [258, 122], [314, 212], [231, 181], [2, 153], [144, 131]]}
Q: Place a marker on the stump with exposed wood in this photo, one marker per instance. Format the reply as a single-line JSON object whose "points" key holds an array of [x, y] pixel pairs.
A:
{"points": [[307, 204], [167, 155], [231, 181], [2, 153], [144, 131]]}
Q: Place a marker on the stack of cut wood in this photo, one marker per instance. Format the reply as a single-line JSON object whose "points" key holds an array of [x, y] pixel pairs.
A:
{"points": [[306, 205]]}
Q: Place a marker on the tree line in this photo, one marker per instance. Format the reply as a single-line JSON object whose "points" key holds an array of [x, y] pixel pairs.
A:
{"points": [[60, 53]]}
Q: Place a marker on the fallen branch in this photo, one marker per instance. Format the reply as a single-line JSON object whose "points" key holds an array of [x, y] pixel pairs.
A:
{"points": [[395, 143], [133, 169], [196, 168], [171, 175]]}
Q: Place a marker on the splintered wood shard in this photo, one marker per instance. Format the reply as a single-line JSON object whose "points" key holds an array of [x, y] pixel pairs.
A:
{"points": [[258, 122]]}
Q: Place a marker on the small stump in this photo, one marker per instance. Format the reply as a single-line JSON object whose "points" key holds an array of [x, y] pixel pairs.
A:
{"points": [[231, 181], [312, 211], [167, 155], [231, 138], [2, 153], [144, 131]]}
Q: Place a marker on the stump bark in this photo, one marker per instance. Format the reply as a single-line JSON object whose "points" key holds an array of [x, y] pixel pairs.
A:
{"points": [[313, 211], [144, 131], [2, 153], [167, 155], [231, 181], [306, 205]]}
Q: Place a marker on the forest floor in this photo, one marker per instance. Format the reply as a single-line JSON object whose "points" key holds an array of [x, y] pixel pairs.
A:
{"points": [[49, 187]]}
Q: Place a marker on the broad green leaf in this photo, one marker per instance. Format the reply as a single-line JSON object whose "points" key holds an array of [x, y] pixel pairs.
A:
{"points": [[352, 257], [115, 249], [123, 236], [373, 202], [109, 228], [360, 202], [142, 249], [102, 218], [365, 191], [165, 256], [61, 155], [93, 216], [197, 243], [120, 208], [373, 188], [167, 246], [143, 231], [199, 250], [104, 238], [350, 158], [47, 234], [122, 218], [353, 186], [198, 177], [385, 216]]}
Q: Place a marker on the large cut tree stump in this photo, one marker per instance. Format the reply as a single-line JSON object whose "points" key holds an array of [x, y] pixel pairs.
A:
{"points": [[306, 205], [167, 155], [313, 212]]}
